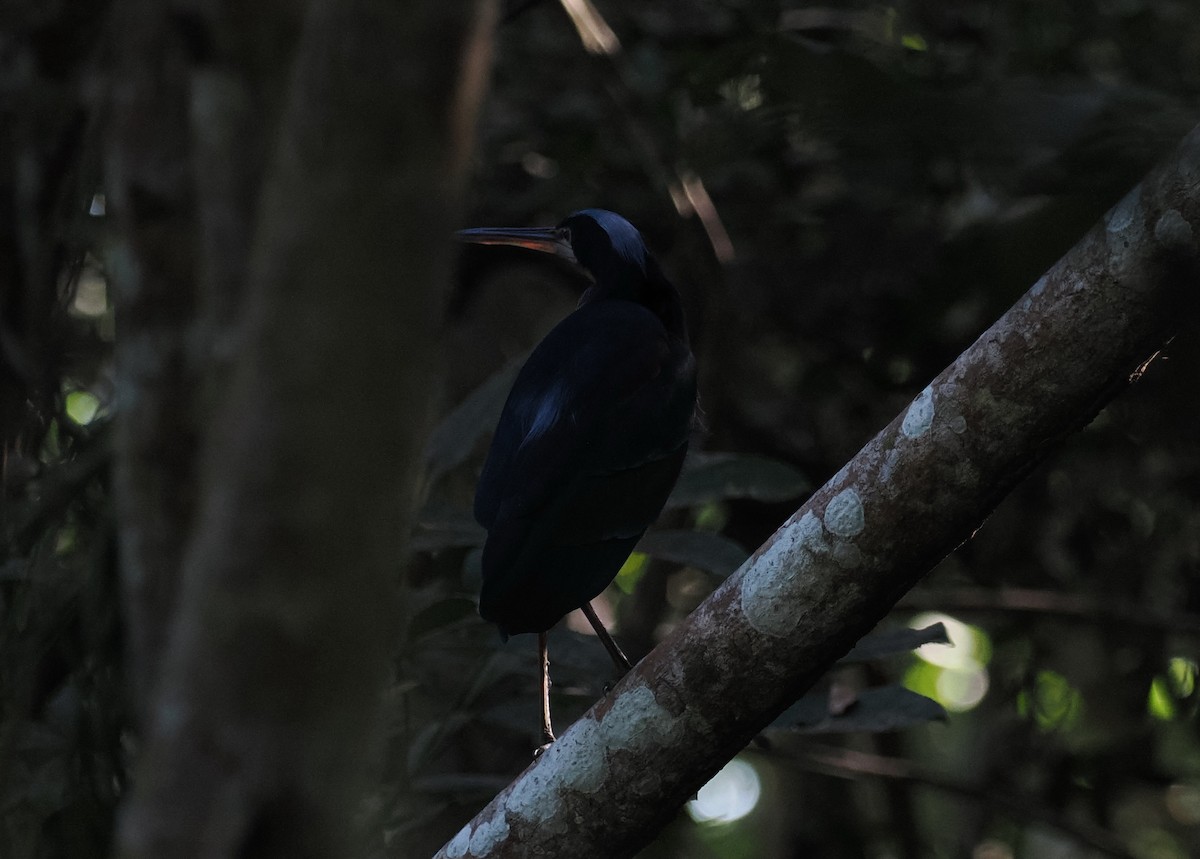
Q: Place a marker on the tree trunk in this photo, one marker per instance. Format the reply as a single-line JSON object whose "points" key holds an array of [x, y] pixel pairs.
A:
{"points": [[259, 733]]}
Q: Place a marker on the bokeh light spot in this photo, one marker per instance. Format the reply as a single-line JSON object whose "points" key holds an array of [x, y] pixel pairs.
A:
{"points": [[1183, 803], [82, 407], [1182, 674], [992, 849], [1159, 703], [969, 650], [1052, 702], [631, 571], [960, 691], [729, 795], [954, 675]]}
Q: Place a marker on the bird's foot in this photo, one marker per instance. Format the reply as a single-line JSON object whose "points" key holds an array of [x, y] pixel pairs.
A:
{"points": [[542, 749], [611, 683]]}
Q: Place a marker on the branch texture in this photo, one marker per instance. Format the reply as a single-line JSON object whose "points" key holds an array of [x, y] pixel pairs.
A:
{"points": [[837, 566]]}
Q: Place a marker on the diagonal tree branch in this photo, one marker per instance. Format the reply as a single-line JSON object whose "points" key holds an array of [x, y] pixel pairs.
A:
{"points": [[837, 566]]}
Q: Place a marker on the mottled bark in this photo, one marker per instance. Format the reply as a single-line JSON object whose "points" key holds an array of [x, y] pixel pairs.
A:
{"points": [[237, 93], [197, 94], [259, 735], [837, 566]]}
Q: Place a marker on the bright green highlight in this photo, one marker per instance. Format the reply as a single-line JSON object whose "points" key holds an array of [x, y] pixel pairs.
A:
{"points": [[1166, 689], [1160, 703], [631, 572], [1182, 674], [712, 517], [954, 675], [1053, 703], [82, 407]]}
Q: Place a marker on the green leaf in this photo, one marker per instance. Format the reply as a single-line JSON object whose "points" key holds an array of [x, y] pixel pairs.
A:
{"points": [[518, 714], [414, 816], [709, 552], [429, 740], [500, 665], [894, 641], [1052, 702], [1160, 704], [440, 614], [875, 711], [455, 437], [577, 659], [1181, 672], [438, 529], [716, 477], [631, 572]]}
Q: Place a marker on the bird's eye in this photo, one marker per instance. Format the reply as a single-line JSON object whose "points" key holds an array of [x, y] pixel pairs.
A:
{"points": [[564, 233]]}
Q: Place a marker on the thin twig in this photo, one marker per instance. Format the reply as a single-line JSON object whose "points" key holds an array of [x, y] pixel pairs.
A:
{"points": [[685, 187], [1053, 603]]}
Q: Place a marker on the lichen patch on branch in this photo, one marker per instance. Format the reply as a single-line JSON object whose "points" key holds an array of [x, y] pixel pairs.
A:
{"points": [[637, 721], [577, 761], [844, 514], [771, 578], [1121, 216], [847, 556], [1172, 230], [919, 417], [481, 840]]}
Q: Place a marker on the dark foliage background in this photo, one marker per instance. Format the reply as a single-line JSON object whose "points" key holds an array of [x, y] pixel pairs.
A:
{"points": [[847, 196]]}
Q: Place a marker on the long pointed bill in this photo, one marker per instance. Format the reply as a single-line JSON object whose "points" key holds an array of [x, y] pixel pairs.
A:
{"points": [[550, 240]]}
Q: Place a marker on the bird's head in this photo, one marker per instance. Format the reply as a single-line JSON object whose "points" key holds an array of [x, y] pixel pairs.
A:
{"points": [[602, 242], [610, 249], [607, 245]]}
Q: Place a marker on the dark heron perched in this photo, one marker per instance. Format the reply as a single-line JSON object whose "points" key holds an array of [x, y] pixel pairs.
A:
{"points": [[592, 436]]}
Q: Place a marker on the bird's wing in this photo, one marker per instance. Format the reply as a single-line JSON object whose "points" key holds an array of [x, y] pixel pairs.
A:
{"points": [[593, 400]]}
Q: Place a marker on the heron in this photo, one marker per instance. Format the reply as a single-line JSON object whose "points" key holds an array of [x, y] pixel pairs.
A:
{"points": [[591, 439]]}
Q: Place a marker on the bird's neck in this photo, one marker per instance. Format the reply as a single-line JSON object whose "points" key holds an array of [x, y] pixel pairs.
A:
{"points": [[647, 287]]}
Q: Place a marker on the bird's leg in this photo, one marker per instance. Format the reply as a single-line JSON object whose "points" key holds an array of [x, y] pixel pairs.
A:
{"points": [[618, 656], [544, 668]]}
